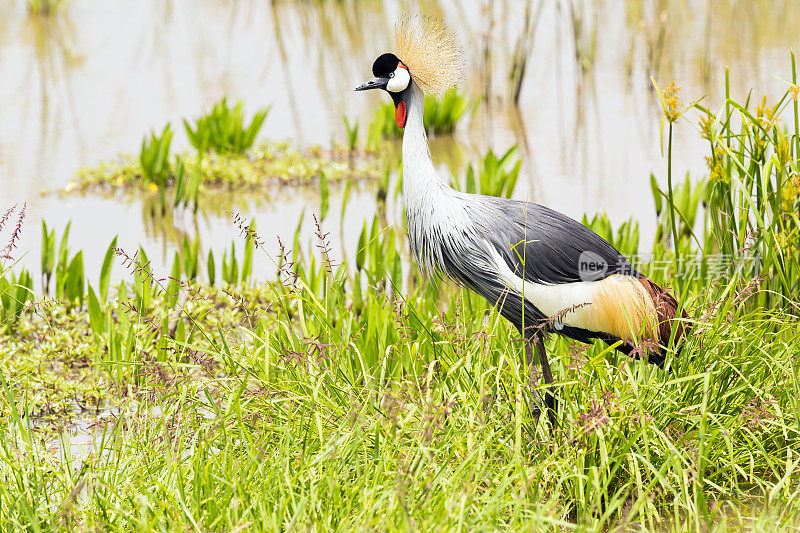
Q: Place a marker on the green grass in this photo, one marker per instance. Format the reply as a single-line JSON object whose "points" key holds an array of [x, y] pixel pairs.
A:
{"points": [[304, 405], [355, 396]]}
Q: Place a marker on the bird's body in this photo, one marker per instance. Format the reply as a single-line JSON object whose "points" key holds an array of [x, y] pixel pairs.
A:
{"points": [[544, 271], [523, 257]]}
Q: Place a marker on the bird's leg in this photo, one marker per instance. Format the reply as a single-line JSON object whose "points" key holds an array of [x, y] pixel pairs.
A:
{"points": [[549, 395], [535, 403]]}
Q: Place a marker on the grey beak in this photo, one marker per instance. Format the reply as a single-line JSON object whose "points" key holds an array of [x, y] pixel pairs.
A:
{"points": [[374, 83]]}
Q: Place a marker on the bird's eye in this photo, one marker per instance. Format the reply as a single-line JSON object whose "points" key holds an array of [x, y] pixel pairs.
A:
{"points": [[391, 74]]}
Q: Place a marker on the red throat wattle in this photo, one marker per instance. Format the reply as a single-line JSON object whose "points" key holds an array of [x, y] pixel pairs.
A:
{"points": [[400, 114]]}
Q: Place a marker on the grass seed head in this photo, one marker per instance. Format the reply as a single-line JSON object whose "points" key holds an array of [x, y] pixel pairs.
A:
{"points": [[765, 113], [672, 104], [716, 167]]}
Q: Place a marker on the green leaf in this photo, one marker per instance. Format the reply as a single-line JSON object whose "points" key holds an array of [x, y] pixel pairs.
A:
{"points": [[96, 315], [511, 180], [62, 249], [348, 186], [105, 270], [470, 185], [397, 272], [48, 250], [361, 249], [249, 247], [73, 287], [122, 310], [656, 194], [142, 281], [174, 285], [210, 267], [180, 184], [234, 269], [223, 130], [324, 196]]}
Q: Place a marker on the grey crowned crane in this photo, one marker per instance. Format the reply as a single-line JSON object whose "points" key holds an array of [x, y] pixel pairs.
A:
{"points": [[544, 271]]}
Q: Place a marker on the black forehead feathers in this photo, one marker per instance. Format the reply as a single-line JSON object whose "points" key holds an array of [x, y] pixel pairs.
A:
{"points": [[384, 65]]}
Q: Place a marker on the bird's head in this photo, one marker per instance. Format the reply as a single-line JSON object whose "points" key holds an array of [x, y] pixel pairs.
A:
{"points": [[392, 76], [428, 57]]}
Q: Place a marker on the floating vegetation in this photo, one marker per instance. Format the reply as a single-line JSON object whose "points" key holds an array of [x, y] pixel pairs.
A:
{"points": [[266, 164], [226, 158]]}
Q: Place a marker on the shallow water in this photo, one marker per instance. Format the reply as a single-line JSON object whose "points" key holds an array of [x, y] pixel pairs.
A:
{"points": [[86, 84], [80, 438]]}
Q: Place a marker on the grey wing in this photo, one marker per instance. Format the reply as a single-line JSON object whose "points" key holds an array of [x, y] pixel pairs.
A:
{"points": [[545, 246]]}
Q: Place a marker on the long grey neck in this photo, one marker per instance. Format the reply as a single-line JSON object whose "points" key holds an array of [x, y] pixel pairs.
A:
{"points": [[437, 215], [420, 178]]}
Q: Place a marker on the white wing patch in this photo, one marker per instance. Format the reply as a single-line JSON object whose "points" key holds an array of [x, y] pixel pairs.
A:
{"points": [[617, 305]]}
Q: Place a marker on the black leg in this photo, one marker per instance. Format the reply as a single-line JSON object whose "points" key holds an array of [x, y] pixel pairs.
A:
{"points": [[550, 395], [535, 403]]}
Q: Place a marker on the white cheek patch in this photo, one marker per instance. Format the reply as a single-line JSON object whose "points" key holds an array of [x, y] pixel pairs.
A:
{"points": [[400, 81]]}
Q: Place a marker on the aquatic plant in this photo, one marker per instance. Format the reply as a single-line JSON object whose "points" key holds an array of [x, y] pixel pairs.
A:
{"points": [[495, 176], [688, 200], [441, 115], [352, 134], [221, 138], [440, 118], [16, 290], [187, 185], [625, 238], [223, 129], [522, 50], [154, 161], [189, 258]]}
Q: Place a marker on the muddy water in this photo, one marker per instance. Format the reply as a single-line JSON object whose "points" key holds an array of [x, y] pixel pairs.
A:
{"points": [[80, 87]]}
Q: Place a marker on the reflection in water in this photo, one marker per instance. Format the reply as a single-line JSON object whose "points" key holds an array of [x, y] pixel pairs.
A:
{"points": [[86, 84], [583, 19], [169, 227], [55, 57]]}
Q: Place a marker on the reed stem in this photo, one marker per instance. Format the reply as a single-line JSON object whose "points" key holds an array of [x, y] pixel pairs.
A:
{"points": [[675, 242]]}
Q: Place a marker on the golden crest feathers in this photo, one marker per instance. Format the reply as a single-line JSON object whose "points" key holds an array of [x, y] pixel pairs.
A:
{"points": [[431, 54]]}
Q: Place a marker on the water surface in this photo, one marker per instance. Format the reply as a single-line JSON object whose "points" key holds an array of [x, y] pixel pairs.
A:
{"points": [[86, 84]]}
